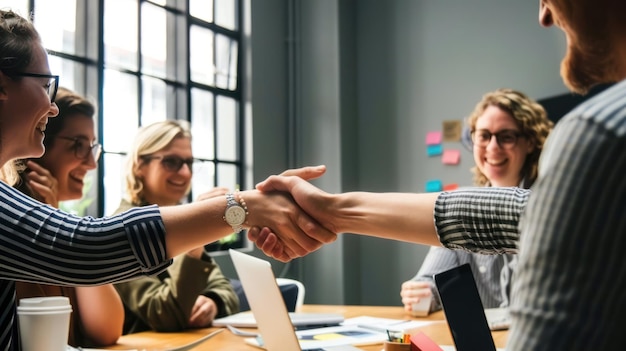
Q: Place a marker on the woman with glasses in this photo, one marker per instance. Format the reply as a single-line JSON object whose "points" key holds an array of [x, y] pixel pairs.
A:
{"points": [[42, 244], [507, 130], [193, 291], [59, 175]]}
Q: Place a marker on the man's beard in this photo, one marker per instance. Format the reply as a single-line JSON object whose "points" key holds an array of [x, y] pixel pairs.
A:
{"points": [[590, 59], [582, 69]]}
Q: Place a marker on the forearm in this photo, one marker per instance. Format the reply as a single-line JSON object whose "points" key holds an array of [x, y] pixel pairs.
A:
{"points": [[399, 216], [219, 288], [101, 313]]}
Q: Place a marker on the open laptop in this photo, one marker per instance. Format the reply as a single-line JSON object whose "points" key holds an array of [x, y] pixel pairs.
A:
{"points": [[464, 310], [259, 284], [269, 310]]}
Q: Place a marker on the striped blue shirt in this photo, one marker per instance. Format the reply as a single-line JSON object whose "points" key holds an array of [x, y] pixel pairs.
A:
{"points": [[41, 244], [569, 288]]}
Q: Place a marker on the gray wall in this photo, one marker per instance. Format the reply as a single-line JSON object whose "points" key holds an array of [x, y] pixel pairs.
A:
{"points": [[367, 80]]}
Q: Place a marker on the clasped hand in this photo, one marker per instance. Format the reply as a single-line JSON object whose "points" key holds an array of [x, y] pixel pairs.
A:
{"points": [[312, 216]]}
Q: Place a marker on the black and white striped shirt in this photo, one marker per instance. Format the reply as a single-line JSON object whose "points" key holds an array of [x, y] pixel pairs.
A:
{"points": [[569, 288], [41, 244]]}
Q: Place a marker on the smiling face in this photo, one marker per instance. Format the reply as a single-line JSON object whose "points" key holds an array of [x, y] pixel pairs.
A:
{"points": [[162, 186], [593, 36], [60, 158], [501, 166], [24, 109]]}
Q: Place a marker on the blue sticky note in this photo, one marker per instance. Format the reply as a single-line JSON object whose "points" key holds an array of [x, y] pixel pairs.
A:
{"points": [[434, 150], [434, 186]]}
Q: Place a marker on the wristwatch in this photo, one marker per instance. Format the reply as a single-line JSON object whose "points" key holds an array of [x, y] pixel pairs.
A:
{"points": [[235, 214]]}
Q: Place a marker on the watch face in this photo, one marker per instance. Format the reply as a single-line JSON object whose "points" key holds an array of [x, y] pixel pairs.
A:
{"points": [[235, 215]]}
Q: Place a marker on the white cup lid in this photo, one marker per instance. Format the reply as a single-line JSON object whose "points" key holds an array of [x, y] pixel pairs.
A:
{"points": [[47, 301], [44, 303]]}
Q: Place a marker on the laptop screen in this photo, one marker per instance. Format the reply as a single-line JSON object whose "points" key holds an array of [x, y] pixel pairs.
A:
{"points": [[464, 310]]}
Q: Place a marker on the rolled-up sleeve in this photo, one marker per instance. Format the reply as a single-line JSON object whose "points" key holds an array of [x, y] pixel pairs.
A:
{"points": [[41, 244], [482, 220]]}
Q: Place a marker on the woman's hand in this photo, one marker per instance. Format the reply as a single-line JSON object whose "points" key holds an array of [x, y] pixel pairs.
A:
{"points": [[413, 291], [43, 184]]}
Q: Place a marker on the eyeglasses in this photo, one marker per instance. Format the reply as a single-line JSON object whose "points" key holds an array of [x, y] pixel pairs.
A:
{"points": [[506, 139], [52, 86], [172, 163], [83, 148]]}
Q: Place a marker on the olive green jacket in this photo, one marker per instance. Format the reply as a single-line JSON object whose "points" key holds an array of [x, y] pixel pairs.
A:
{"points": [[164, 302]]}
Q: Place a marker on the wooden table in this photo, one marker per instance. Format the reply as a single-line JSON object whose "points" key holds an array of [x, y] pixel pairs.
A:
{"points": [[225, 340]]}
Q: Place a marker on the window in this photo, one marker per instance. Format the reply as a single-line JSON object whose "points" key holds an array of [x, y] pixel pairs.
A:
{"points": [[143, 61]]}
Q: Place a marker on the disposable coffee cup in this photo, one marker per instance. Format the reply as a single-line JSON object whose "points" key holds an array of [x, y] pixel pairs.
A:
{"points": [[44, 323], [422, 308]]}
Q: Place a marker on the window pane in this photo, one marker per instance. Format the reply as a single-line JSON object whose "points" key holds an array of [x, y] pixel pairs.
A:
{"points": [[226, 14], [119, 111], [227, 176], [153, 40], [158, 2], [201, 55], [226, 62], [154, 101], [203, 178], [202, 124], [227, 129], [67, 71], [120, 41], [114, 170], [202, 9], [56, 23]]}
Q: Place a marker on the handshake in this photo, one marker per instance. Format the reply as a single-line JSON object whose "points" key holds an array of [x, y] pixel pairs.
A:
{"points": [[289, 217]]}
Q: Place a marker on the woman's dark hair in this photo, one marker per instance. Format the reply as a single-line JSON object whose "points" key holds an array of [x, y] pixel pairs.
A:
{"points": [[69, 103], [17, 35]]}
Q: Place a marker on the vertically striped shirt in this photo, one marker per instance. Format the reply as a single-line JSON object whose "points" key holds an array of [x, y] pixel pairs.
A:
{"points": [[41, 244], [569, 288]]}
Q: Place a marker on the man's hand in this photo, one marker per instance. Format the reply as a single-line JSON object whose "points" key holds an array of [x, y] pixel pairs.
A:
{"points": [[312, 200], [217, 191]]}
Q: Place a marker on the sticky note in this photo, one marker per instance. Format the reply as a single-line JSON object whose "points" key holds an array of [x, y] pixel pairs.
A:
{"points": [[452, 130], [434, 150], [451, 157], [433, 138], [434, 186], [450, 187]]}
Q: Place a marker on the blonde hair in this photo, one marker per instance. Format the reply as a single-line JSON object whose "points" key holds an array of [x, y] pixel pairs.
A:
{"points": [[150, 139], [532, 120]]}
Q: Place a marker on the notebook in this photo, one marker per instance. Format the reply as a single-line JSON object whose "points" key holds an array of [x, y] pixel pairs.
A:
{"points": [[267, 305], [464, 310]]}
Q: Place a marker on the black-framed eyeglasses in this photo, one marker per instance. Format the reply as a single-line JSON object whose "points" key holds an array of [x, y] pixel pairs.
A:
{"points": [[172, 163], [506, 139], [52, 86], [83, 148]]}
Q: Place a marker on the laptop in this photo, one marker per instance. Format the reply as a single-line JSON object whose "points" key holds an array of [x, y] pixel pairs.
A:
{"points": [[464, 310], [270, 313], [260, 285]]}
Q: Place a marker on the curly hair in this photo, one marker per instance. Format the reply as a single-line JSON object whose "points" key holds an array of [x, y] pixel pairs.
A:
{"points": [[532, 120], [150, 139]]}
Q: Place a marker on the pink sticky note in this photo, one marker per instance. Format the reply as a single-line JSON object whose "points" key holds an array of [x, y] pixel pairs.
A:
{"points": [[451, 157], [433, 138]]}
